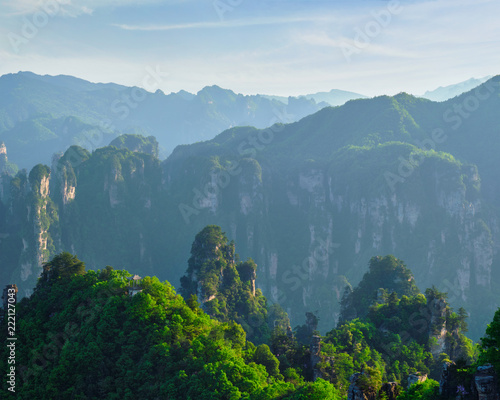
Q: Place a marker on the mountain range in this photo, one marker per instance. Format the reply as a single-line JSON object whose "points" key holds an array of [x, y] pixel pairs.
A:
{"points": [[311, 202], [42, 115]]}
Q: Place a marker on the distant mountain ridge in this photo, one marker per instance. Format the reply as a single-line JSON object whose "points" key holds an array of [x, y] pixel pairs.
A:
{"points": [[43, 115], [31, 105], [444, 93], [334, 97]]}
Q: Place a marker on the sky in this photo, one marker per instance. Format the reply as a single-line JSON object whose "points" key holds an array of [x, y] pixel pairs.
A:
{"points": [[280, 47]]}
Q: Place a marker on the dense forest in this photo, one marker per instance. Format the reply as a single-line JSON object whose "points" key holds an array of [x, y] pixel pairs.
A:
{"points": [[110, 334]]}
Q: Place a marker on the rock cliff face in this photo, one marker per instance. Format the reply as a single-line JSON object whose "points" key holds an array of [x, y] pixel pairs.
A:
{"points": [[390, 390], [312, 229], [6, 167], [30, 226], [483, 385], [356, 392], [413, 379]]}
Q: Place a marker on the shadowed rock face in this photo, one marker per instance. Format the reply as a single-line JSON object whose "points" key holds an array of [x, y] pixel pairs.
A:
{"points": [[485, 383], [9, 293], [445, 389], [315, 355], [482, 387], [355, 391], [391, 390]]}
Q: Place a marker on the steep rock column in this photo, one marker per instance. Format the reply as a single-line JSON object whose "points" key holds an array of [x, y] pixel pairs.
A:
{"points": [[437, 308], [315, 355], [63, 182], [40, 227]]}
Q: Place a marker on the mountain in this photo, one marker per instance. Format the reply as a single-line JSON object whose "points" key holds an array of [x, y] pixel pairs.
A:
{"points": [[226, 289], [311, 202], [334, 97], [43, 115], [6, 167], [448, 92]]}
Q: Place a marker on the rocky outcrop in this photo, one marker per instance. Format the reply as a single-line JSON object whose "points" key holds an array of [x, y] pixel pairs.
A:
{"points": [[389, 391], [414, 378], [137, 143], [437, 325], [312, 228], [481, 386], [9, 296], [315, 349], [29, 227], [446, 388], [485, 383], [355, 391], [3, 163], [7, 171], [338, 224]]}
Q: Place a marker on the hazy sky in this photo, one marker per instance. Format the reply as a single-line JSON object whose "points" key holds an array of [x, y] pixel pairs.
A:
{"points": [[285, 47]]}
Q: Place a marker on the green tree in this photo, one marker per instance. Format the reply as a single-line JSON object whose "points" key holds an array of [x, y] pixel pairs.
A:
{"points": [[264, 356], [94, 341], [462, 317], [63, 265], [428, 390], [490, 344]]}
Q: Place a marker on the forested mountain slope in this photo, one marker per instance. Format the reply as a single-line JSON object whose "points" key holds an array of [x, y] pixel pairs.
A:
{"points": [[311, 202], [42, 115]]}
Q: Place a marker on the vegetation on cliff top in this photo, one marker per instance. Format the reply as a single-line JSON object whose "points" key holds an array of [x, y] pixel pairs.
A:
{"points": [[83, 336], [225, 286]]}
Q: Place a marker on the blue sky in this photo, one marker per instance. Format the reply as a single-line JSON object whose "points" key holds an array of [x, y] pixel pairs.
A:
{"points": [[254, 46]]}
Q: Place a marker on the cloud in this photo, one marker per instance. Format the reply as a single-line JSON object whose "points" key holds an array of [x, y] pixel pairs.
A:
{"points": [[224, 24], [70, 8]]}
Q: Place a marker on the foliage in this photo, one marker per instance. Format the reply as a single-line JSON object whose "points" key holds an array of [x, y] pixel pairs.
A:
{"points": [[427, 390], [138, 143], [387, 273], [395, 337], [226, 288], [490, 343], [62, 266], [303, 333], [135, 221], [85, 337]]}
